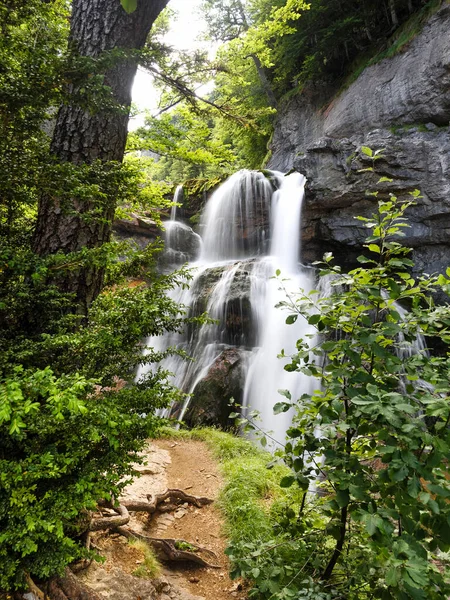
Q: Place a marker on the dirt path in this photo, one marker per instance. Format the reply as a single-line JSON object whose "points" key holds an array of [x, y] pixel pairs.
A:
{"points": [[188, 465], [192, 467]]}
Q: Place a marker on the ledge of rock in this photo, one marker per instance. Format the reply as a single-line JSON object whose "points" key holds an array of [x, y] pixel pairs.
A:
{"points": [[401, 105]]}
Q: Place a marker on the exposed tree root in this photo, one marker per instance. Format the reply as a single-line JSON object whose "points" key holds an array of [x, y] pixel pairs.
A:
{"points": [[81, 565], [33, 588], [158, 502], [113, 521], [168, 550], [68, 587], [171, 550]]}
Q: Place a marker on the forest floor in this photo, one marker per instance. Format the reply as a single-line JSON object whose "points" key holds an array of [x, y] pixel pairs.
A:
{"points": [[186, 465]]}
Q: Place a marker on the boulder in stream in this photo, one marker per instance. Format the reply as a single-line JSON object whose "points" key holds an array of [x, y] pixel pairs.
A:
{"points": [[210, 402]]}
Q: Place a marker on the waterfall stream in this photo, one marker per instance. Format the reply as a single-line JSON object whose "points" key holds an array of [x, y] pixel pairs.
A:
{"points": [[250, 228]]}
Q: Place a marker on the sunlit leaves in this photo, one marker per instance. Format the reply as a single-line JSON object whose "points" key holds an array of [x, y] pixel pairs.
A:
{"points": [[377, 429]]}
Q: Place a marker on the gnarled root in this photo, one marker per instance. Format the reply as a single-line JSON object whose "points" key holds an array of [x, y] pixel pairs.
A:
{"points": [[33, 588], [122, 518], [167, 549], [171, 550], [158, 502]]}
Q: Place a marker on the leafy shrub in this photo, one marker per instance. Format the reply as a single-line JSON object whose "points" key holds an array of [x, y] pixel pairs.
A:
{"points": [[370, 448]]}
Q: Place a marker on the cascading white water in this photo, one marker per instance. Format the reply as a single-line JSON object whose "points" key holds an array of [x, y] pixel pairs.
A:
{"points": [[266, 373], [249, 231], [236, 217], [180, 242], [177, 199]]}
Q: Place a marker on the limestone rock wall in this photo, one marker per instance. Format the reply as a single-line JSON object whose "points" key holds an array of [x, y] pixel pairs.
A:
{"points": [[401, 104]]}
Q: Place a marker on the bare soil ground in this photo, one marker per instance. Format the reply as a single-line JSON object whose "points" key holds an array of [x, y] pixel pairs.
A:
{"points": [[187, 465], [193, 467]]}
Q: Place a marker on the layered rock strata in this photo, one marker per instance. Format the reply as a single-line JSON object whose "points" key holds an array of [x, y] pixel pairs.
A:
{"points": [[401, 105]]}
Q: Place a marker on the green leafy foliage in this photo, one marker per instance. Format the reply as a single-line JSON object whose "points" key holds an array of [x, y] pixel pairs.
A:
{"points": [[322, 39], [185, 144], [370, 446], [72, 419], [129, 6]]}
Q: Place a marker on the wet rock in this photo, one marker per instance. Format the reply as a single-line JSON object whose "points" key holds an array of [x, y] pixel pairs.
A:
{"points": [[182, 245], [211, 397], [233, 308], [139, 230], [337, 194]]}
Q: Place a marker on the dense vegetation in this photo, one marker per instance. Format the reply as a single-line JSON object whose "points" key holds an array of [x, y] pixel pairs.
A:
{"points": [[369, 447], [72, 419]]}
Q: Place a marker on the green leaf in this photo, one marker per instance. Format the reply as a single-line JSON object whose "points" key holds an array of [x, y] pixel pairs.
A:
{"points": [[291, 319], [413, 487], [393, 576], [129, 6], [364, 260], [367, 151], [287, 481], [342, 498], [314, 319], [399, 474], [281, 407], [372, 522]]}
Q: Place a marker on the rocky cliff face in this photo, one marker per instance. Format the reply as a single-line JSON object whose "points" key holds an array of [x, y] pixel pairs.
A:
{"points": [[401, 104]]}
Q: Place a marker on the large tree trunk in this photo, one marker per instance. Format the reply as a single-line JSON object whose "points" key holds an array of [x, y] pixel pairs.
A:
{"points": [[82, 137]]}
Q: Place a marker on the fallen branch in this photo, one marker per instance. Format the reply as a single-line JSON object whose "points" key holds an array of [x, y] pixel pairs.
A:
{"points": [[170, 550]]}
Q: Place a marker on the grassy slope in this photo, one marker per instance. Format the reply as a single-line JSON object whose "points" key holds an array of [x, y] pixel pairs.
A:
{"points": [[251, 495]]}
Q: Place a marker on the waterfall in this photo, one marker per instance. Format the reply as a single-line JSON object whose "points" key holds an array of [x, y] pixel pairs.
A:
{"points": [[177, 199], [250, 228], [181, 244], [266, 373], [236, 218]]}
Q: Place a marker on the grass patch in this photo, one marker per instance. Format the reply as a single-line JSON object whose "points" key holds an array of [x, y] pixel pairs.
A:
{"points": [[150, 567]]}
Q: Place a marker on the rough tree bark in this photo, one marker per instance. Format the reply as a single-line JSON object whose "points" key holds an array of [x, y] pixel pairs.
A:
{"points": [[82, 137]]}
